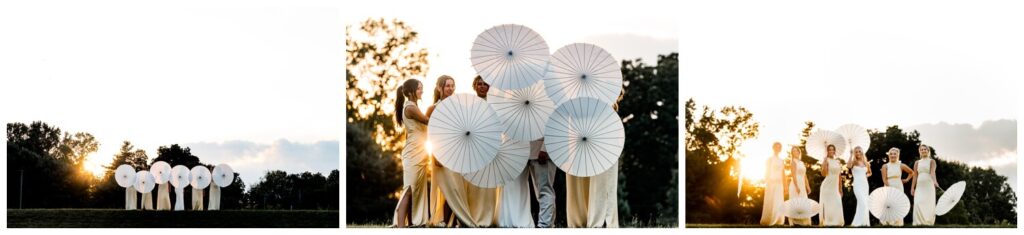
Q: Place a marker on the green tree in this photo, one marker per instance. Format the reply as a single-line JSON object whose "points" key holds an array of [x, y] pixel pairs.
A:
{"points": [[649, 109], [280, 190], [381, 54], [370, 178], [38, 174], [108, 193], [713, 138]]}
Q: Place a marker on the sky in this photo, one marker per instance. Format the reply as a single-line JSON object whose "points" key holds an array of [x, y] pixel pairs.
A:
{"points": [[258, 88], [626, 31], [949, 70]]}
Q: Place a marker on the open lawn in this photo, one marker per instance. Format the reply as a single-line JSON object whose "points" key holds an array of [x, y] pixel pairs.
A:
{"points": [[115, 218], [798, 227]]}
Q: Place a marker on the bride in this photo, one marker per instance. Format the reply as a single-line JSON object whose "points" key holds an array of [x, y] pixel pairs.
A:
{"points": [[861, 171]]}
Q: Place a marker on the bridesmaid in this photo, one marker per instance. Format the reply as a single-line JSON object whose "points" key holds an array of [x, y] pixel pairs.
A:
{"points": [[413, 204], [483, 202], [772, 212], [923, 188], [831, 190], [861, 171], [799, 187], [593, 202], [449, 197], [892, 172]]}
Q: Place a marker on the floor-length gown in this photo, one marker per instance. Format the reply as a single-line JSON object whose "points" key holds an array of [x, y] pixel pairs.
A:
{"points": [[771, 211], [894, 176], [799, 182], [414, 172], [130, 196], [831, 201], [577, 190], [483, 204], [924, 194], [197, 199], [860, 191], [603, 199], [163, 196], [147, 202], [214, 203], [454, 194], [514, 204]]}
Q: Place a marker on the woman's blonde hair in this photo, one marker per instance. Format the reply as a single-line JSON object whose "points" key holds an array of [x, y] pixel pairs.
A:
{"points": [[440, 85]]}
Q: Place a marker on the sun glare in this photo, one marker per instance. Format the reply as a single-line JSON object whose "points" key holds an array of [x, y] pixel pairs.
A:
{"points": [[94, 165]]}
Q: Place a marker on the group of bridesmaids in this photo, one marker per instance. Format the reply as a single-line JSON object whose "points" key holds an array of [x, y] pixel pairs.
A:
{"points": [[922, 188], [452, 201]]}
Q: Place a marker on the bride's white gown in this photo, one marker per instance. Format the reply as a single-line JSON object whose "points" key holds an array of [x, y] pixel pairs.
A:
{"points": [[860, 190]]}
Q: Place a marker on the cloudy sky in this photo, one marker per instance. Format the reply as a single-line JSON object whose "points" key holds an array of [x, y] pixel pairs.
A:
{"points": [[950, 70], [258, 87], [626, 31]]}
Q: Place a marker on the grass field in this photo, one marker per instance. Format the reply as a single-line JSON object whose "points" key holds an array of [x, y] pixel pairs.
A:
{"points": [[623, 224], [908, 226], [114, 218]]}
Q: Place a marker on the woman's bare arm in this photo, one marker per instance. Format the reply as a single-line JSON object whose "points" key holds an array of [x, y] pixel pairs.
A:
{"points": [[414, 113]]}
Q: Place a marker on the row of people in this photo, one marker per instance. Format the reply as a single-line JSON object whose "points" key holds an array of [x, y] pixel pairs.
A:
{"points": [[435, 196], [922, 188]]}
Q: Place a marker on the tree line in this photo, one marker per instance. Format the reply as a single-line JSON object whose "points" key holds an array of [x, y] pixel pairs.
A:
{"points": [[45, 169]]}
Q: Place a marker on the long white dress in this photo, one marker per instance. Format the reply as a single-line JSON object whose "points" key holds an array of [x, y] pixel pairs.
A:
{"points": [[771, 211], [163, 197], [894, 176], [860, 190], [514, 205], [130, 196], [603, 199], [924, 194], [414, 171], [592, 202], [831, 201], [800, 182]]}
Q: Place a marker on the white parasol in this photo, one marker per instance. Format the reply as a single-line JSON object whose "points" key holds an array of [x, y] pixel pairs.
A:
{"points": [[465, 132], [523, 112], [583, 70], [817, 143], [223, 175], [584, 137], [506, 166], [855, 135], [801, 208], [161, 172], [950, 198], [125, 175], [510, 56], [144, 182], [200, 177], [889, 204]]}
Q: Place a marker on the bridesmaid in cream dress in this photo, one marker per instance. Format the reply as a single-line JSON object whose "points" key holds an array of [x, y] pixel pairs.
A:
{"points": [[445, 207], [861, 171], [412, 208], [593, 202], [771, 211], [831, 190], [923, 188], [483, 202], [799, 187], [893, 172]]}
